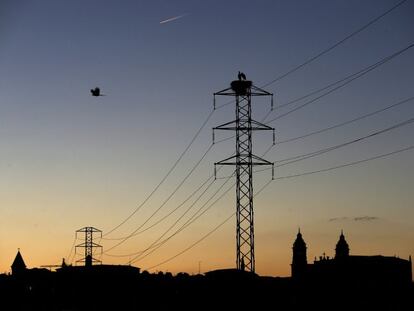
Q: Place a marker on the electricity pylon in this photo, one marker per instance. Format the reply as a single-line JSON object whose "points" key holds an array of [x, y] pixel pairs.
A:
{"points": [[244, 160], [88, 245]]}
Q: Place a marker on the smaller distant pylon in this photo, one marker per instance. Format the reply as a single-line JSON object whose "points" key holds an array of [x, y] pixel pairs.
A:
{"points": [[89, 245]]}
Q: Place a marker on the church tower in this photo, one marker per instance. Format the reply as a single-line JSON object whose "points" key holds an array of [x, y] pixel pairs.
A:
{"points": [[18, 266], [342, 248], [299, 261]]}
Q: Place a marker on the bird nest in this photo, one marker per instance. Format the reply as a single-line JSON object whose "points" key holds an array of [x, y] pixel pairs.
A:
{"points": [[241, 87]]}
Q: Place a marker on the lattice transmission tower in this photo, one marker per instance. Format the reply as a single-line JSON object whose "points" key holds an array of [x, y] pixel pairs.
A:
{"points": [[88, 245], [244, 160]]}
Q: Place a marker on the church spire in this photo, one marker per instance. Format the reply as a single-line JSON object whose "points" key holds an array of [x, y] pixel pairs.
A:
{"points": [[342, 248], [18, 264], [299, 260]]}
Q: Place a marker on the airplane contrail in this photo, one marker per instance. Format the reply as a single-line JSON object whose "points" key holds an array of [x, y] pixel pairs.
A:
{"points": [[172, 19]]}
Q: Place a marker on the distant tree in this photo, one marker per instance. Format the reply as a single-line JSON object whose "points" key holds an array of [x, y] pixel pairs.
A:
{"points": [[182, 275]]}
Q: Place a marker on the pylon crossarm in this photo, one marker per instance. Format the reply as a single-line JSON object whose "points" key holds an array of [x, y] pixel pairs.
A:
{"points": [[89, 229], [225, 92], [93, 244], [265, 162], [224, 162], [260, 92], [244, 163], [93, 229], [261, 126], [224, 126]]}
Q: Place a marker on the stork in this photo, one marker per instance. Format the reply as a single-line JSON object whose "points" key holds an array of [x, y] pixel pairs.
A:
{"points": [[96, 92], [241, 76]]}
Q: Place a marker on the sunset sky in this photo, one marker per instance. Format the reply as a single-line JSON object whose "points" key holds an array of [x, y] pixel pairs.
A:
{"points": [[70, 160]]}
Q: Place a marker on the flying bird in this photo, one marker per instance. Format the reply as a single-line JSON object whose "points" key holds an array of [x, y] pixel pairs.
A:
{"points": [[241, 76], [96, 92]]}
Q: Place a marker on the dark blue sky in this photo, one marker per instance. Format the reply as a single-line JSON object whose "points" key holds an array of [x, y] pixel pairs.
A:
{"points": [[64, 152]]}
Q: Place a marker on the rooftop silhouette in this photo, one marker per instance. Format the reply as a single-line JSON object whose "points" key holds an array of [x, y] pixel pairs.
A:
{"points": [[370, 282]]}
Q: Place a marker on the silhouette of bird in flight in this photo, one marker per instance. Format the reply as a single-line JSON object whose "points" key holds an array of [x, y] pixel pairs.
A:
{"points": [[241, 76], [96, 92]]}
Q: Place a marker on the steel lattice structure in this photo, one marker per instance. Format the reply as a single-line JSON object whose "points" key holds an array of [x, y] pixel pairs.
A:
{"points": [[244, 160], [88, 245]]}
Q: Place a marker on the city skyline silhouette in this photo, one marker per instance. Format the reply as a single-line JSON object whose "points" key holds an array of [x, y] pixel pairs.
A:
{"points": [[138, 164], [370, 282]]}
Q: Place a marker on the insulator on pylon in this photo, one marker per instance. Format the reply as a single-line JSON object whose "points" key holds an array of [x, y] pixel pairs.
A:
{"points": [[213, 137], [274, 137], [271, 103], [214, 102], [273, 171]]}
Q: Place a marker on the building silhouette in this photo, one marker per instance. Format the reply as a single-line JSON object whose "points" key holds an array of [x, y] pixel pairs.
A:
{"points": [[299, 261], [346, 269], [342, 248], [341, 282], [18, 266]]}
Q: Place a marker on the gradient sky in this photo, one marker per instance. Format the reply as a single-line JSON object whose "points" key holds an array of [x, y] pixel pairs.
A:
{"points": [[69, 160]]}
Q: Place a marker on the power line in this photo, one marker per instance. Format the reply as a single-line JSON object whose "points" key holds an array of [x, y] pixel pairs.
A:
{"points": [[336, 44], [266, 185], [208, 234], [71, 250], [346, 164], [373, 67], [291, 160], [340, 124], [355, 76], [211, 113], [348, 77], [302, 157], [188, 209], [345, 81], [185, 224], [194, 244], [368, 69], [154, 246], [345, 122], [330, 48], [294, 159], [172, 211], [271, 82], [305, 156], [320, 89], [165, 177], [165, 201], [319, 152], [327, 149], [191, 220]]}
